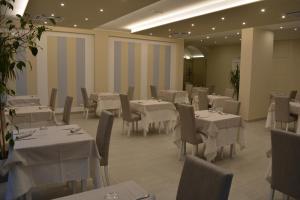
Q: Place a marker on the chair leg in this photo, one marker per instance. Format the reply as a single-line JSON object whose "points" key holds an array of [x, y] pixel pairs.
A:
{"points": [[195, 149], [232, 148], [123, 127], [106, 175], [287, 126], [87, 114], [137, 126], [132, 127], [128, 128], [272, 194]]}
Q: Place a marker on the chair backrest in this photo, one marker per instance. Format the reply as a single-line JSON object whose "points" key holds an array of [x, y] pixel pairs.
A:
{"points": [[232, 107], [202, 100], [229, 92], [203, 180], [282, 108], [153, 90], [130, 93], [67, 110], [126, 113], [293, 94], [211, 89], [187, 121], [103, 135], [286, 163], [53, 99], [85, 97]]}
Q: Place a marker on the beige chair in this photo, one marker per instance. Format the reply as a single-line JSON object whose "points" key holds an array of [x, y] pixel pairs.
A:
{"points": [[201, 180], [67, 112], [232, 107], [127, 115], [130, 93], [202, 100], [103, 140], [52, 102], [282, 111], [189, 89], [189, 133], [153, 90], [211, 89], [88, 105], [229, 92], [285, 163]]}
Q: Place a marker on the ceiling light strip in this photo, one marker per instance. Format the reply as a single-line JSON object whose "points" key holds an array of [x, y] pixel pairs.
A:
{"points": [[194, 10]]}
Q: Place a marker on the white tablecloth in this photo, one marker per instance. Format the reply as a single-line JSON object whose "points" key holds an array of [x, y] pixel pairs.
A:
{"points": [[221, 129], [27, 117], [294, 109], [106, 101], [154, 111], [51, 156], [126, 191], [175, 96], [28, 100], [213, 100]]}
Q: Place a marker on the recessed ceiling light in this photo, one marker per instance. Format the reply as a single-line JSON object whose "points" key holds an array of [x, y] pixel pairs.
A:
{"points": [[150, 34], [213, 28], [45, 22], [238, 33], [240, 38], [189, 32], [75, 25], [215, 42], [244, 23], [281, 27], [170, 36], [101, 10], [201, 40], [86, 19], [52, 15], [62, 4], [222, 18], [226, 37], [263, 10], [192, 25], [198, 9], [295, 29], [207, 37], [282, 16], [170, 30]]}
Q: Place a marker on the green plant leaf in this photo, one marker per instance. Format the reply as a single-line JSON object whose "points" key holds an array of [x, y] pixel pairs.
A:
{"points": [[33, 50]]}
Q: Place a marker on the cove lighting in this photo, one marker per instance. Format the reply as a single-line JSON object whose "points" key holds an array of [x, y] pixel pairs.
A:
{"points": [[19, 7], [187, 12], [198, 56]]}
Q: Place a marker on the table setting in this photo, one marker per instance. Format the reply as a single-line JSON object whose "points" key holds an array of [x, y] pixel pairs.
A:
{"points": [[214, 100], [65, 153], [155, 111], [221, 128]]}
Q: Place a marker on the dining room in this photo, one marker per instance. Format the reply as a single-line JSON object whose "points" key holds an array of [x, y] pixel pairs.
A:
{"points": [[152, 99]]}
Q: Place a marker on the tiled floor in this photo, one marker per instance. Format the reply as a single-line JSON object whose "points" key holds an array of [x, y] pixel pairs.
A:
{"points": [[153, 163]]}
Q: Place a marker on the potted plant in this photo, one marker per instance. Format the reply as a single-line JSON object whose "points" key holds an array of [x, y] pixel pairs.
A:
{"points": [[235, 80], [17, 33]]}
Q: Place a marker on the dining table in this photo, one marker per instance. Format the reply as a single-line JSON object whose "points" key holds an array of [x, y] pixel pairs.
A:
{"points": [[221, 129], [174, 96], [23, 100], [128, 190], [50, 155], [30, 116], [214, 100], [294, 108], [106, 101], [155, 112]]}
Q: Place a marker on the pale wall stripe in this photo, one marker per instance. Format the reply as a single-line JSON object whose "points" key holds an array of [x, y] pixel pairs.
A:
{"points": [[137, 70], [80, 67], [124, 67], [131, 64], [62, 70], [167, 66], [162, 67], [117, 66], [21, 80], [150, 68], [71, 68], [31, 74], [156, 58], [52, 63]]}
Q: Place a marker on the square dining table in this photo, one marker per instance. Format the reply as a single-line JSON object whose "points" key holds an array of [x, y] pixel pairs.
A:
{"points": [[52, 155], [155, 111], [106, 101], [23, 100], [213, 100], [174, 96]]}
